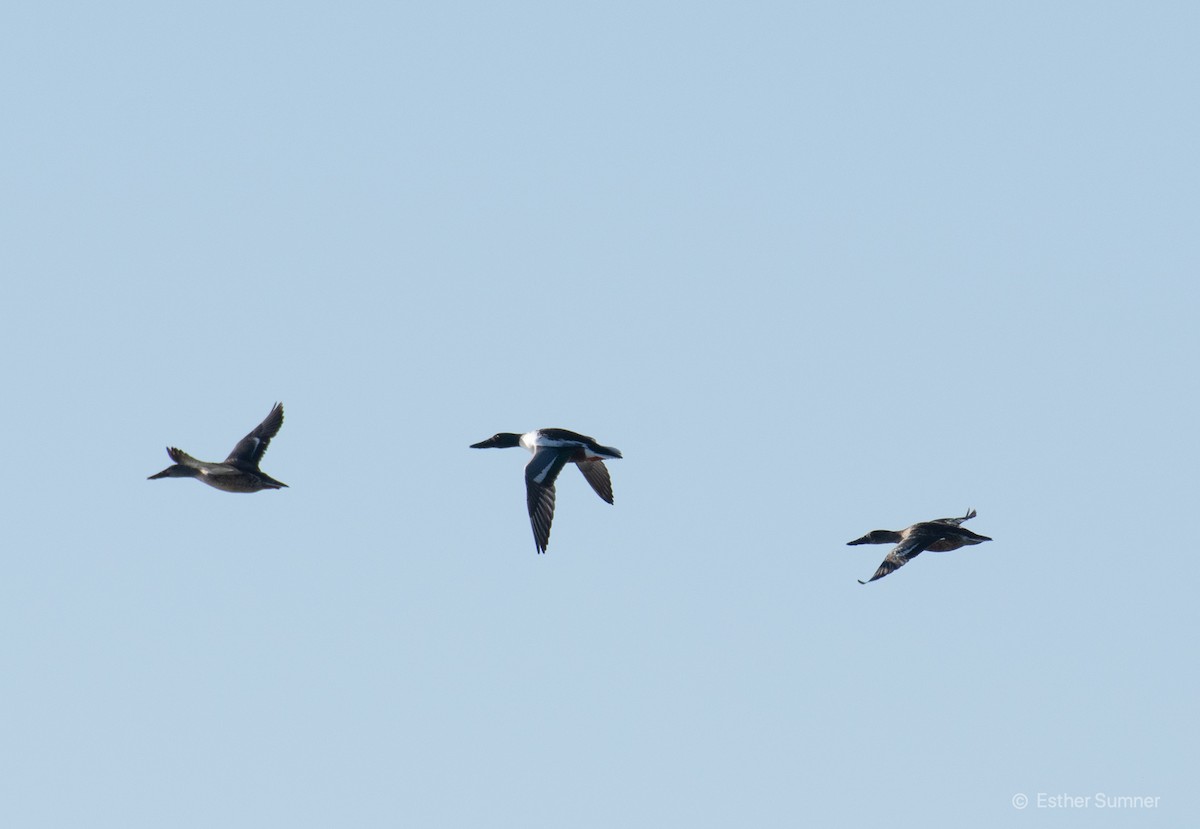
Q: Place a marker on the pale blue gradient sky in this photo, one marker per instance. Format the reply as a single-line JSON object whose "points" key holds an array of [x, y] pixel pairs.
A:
{"points": [[815, 270]]}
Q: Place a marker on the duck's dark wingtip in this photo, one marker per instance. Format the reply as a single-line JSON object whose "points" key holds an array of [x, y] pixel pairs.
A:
{"points": [[860, 581]]}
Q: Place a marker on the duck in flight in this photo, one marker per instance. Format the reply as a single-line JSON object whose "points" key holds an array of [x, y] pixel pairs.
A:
{"points": [[939, 536], [552, 450], [237, 473]]}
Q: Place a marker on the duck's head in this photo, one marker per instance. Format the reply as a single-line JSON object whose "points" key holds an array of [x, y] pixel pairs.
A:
{"points": [[176, 470], [500, 440], [877, 537]]}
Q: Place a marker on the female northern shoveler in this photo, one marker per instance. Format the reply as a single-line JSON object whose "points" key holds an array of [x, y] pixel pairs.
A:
{"points": [[237, 473], [939, 536], [552, 449]]}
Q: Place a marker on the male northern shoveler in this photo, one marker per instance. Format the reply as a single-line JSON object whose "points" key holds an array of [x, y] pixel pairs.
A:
{"points": [[552, 449], [939, 536], [237, 473]]}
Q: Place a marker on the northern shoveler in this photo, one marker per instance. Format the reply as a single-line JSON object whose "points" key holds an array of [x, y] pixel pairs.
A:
{"points": [[237, 473], [552, 449], [939, 536]]}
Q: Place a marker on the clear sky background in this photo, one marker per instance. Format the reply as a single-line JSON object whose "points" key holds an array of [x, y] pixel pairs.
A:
{"points": [[816, 269]]}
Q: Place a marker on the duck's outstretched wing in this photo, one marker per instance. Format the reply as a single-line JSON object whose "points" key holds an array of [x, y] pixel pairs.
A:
{"points": [[596, 474], [180, 457], [902, 554], [540, 474], [956, 521], [251, 448]]}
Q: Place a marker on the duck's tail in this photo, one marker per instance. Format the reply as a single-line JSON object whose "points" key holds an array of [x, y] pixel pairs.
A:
{"points": [[608, 451]]}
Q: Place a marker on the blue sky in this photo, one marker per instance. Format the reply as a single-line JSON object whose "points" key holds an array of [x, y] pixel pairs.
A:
{"points": [[814, 270]]}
